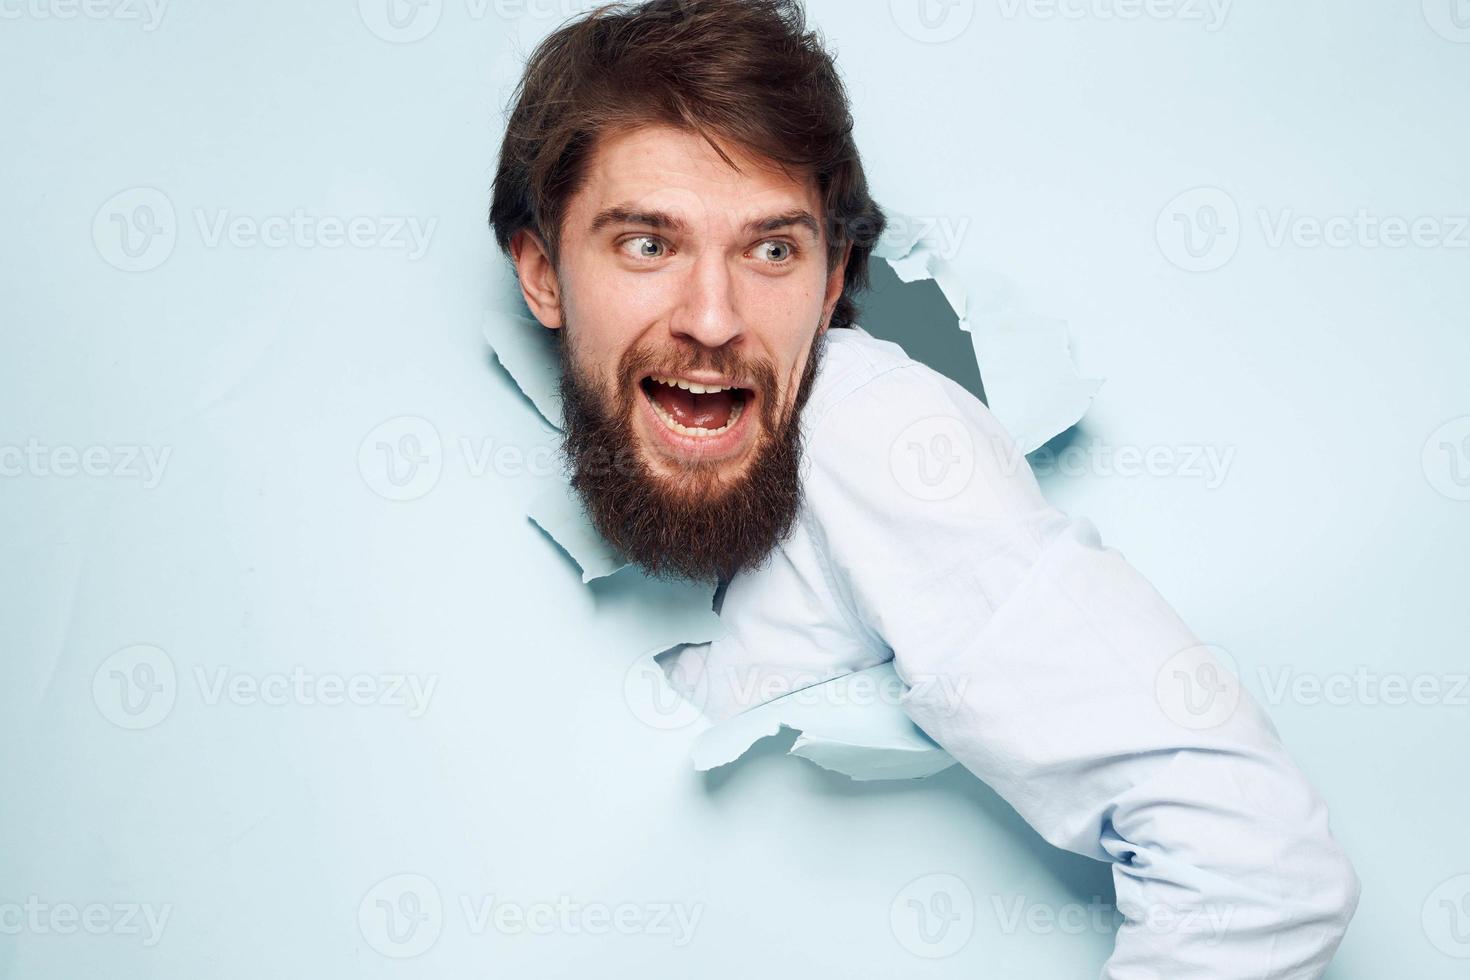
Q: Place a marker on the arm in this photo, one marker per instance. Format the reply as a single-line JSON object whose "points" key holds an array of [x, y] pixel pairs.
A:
{"points": [[1052, 670]]}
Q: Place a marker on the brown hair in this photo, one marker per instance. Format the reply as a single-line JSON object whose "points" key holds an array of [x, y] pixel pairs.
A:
{"points": [[743, 71]]}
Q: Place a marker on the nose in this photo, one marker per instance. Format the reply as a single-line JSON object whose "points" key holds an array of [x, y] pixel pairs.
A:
{"points": [[706, 312]]}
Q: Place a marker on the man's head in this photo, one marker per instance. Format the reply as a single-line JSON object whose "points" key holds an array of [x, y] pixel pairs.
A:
{"points": [[685, 206]]}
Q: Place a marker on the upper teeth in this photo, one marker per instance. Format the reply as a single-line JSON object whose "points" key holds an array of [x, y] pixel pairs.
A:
{"points": [[693, 387]]}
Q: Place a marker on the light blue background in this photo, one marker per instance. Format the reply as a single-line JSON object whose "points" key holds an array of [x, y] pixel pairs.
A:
{"points": [[1334, 542]]}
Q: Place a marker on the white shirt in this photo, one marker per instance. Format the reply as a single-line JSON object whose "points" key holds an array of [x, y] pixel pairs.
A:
{"points": [[1044, 663]]}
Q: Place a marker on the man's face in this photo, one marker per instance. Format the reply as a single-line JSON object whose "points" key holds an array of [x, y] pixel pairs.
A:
{"points": [[690, 297]]}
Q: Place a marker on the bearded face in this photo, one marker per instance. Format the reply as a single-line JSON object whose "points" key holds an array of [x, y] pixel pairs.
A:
{"points": [[652, 455], [691, 295]]}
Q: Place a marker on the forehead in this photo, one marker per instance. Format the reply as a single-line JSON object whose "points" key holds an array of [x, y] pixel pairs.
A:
{"points": [[665, 168]]}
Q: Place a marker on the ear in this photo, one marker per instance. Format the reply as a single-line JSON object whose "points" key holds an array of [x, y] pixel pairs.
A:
{"points": [[834, 286], [537, 277]]}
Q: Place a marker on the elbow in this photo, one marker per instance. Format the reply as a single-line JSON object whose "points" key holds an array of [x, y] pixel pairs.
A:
{"points": [[1340, 889], [1305, 896], [1318, 891]]}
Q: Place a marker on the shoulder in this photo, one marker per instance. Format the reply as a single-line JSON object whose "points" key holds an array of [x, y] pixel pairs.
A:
{"points": [[909, 435], [852, 359]]}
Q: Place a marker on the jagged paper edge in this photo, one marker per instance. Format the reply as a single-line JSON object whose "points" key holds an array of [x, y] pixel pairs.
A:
{"points": [[527, 351], [558, 512], [1031, 383], [868, 741]]}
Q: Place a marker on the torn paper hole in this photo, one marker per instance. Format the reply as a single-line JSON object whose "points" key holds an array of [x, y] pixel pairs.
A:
{"points": [[1031, 386]]}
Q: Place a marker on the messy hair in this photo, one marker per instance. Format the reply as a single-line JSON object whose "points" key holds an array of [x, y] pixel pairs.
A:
{"points": [[744, 72]]}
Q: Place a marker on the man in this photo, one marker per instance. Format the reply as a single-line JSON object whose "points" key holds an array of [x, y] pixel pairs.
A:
{"points": [[681, 196]]}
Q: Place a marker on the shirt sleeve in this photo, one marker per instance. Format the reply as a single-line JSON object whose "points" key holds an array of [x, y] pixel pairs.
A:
{"points": [[1050, 668]]}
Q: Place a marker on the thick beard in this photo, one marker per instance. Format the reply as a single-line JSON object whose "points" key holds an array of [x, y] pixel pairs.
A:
{"points": [[693, 524]]}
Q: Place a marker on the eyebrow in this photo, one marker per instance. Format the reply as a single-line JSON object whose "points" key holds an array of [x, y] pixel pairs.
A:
{"points": [[622, 214]]}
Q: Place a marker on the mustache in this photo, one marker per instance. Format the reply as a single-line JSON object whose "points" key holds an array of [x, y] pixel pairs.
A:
{"points": [[756, 375], [637, 363]]}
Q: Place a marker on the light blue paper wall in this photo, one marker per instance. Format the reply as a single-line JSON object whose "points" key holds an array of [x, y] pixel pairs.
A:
{"points": [[282, 540]]}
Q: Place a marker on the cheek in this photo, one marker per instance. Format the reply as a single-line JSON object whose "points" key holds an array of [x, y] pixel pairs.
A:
{"points": [[785, 313], [613, 303], [792, 302]]}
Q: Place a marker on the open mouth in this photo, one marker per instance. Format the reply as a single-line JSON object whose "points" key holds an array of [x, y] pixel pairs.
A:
{"points": [[693, 409]]}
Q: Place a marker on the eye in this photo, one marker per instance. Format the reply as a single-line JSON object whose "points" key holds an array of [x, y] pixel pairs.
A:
{"points": [[776, 252], [645, 247]]}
